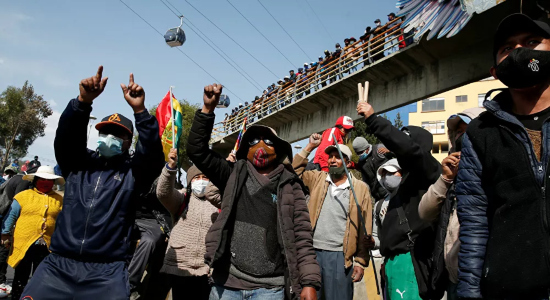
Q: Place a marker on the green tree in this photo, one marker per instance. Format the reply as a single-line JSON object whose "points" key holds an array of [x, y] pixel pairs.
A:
{"points": [[22, 115], [188, 116], [397, 122]]}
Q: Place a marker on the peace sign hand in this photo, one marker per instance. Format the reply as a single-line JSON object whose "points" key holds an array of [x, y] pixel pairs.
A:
{"points": [[92, 87], [134, 95]]}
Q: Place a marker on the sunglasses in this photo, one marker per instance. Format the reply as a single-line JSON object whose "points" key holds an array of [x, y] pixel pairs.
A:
{"points": [[257, 140]]}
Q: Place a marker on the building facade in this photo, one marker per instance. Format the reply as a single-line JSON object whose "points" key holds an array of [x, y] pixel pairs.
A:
{"points": [[432, 114]]}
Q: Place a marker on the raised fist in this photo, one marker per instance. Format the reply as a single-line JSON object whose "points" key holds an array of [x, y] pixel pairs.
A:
{"points": [[92, 87], [211, 97], [173, 158], [134, 95]]}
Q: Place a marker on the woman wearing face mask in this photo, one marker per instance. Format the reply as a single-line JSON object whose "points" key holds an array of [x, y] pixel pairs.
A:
{"points": [[193, 211], [34, 213]]}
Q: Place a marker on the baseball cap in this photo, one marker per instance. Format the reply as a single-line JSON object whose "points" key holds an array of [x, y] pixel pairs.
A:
{"points": [[345, 150], [345, 122], [377, 21], [391, 15], [118, 120], [515, 23]]}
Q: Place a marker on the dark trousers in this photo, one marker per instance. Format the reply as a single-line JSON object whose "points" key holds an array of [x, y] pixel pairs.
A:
{"points": [[27, 266], [336, 282], [190, 287], [151, 244], [62, 278], [4, 253]]}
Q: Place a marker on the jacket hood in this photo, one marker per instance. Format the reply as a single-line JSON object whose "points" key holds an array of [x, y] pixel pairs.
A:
{"points": [[420, 136]]}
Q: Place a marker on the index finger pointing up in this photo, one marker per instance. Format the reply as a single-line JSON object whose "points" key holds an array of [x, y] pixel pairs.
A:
{"points": [[131, 78], [99, 72]]}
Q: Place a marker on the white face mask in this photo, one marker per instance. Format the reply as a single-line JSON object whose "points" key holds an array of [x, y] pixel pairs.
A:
{"points": [[198, 187], [6, 177]]}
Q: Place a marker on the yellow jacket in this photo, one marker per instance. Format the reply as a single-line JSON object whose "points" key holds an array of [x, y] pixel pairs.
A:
{"points": [[36, 219], [354, 246]]}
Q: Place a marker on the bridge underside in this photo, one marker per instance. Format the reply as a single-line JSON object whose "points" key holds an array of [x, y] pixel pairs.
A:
{"points": [[417, 72]]}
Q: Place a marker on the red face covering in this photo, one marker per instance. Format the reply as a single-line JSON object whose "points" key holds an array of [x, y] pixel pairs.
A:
{"points": [[44, 185], [261, 155]]}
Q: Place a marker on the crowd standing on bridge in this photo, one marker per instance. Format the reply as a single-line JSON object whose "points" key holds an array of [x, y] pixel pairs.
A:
{"points": [[375, 44], [264, 224]]}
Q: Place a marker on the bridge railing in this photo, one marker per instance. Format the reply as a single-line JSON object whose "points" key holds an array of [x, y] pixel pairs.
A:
{"points": [[363, 52]]}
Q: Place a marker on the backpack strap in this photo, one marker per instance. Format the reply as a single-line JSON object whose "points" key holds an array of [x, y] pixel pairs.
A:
{"points": [[403, 220]]}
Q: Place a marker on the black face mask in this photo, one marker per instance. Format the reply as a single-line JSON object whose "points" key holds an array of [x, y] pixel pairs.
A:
{"points": [[524, 68]]}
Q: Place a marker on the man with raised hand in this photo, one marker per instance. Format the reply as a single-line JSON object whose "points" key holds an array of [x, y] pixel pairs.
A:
{"points": [[260, 246], [338, 235], [91, 243]]}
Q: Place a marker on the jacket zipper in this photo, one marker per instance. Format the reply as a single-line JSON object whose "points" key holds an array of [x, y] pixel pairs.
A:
{"points": [[543, 190], [89, 213]]}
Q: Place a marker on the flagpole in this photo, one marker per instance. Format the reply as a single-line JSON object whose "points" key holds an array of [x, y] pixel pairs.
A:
{"points": [[172, 117]]}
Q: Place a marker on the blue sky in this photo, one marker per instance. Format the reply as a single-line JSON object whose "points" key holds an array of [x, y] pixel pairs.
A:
{"points": [[56, 44]]}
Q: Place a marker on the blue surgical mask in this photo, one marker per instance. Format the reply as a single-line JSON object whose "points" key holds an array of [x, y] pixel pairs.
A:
{"points": [[109, 145], [363, 156]]}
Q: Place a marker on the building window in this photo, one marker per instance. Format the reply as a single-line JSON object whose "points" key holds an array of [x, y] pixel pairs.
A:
{"points": [[434, 127], [480, 99], [434, 104], [444, 147], [462, 98]]}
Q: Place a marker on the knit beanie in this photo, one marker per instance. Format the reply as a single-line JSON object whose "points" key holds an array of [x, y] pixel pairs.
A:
{"points": [[192, 172], [360, 144]]}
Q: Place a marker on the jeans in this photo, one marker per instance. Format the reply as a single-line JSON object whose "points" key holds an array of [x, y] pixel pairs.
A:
{"points": [[394, 45], [223, 293]]}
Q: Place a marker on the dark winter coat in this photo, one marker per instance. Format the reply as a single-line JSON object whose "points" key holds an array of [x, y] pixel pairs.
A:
{"points": [[420, 170], [293, 217], [503, 208], [98, 208]]}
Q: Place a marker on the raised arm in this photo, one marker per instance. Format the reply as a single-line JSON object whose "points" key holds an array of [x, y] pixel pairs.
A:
{"points": [[412, 158], [474, 225], [148, 157], [300, 161], [215, 167], [167, 194], [70, 141]]}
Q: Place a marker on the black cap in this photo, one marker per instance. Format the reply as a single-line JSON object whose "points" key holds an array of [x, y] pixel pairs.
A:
{"points": [[515, 23], [391, 15], [118, 120], [377, 20], [36, 157], [290, 71]]}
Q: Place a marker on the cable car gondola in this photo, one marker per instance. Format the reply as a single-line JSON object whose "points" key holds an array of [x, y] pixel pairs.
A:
{"points": [[224, 101], [175, 37]]}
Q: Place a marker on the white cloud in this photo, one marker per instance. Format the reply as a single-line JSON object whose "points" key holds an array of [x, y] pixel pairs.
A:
{"points": [[52, 103]]}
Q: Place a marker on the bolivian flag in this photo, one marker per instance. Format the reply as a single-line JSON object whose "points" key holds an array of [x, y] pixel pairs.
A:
{"points": [[166, 118]]}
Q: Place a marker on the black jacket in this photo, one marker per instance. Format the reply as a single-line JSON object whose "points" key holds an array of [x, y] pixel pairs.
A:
{"points": [[15, 185], [301, 268], [369, 168], [503, 208], [98, 212], [420, 170]]}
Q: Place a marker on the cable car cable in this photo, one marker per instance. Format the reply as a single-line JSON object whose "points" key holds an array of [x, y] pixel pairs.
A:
{"points": [[319, 19], [244, 49], [292, 64], [267, 10], [227, 89], [257, 85]]}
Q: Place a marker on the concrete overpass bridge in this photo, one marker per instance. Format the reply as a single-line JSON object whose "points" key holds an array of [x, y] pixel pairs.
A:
{"points": [[416, 72]]}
